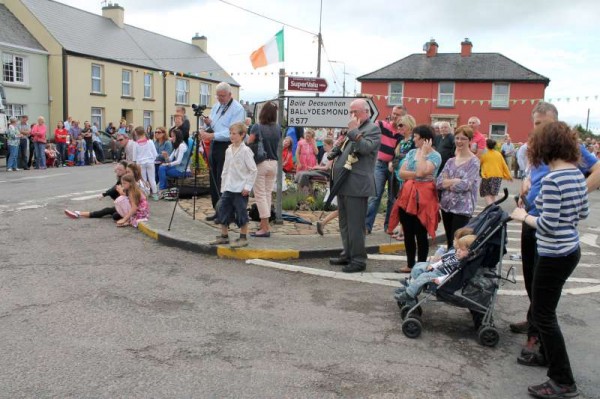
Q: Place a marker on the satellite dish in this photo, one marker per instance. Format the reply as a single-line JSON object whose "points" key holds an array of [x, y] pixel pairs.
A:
{"points": [[426, 46]]}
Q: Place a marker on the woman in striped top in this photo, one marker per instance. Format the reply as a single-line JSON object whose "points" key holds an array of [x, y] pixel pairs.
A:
{"points": [[562, 202]]}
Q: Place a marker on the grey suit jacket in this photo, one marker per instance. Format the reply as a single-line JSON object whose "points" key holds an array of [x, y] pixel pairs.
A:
{"points": [[361, 181]]}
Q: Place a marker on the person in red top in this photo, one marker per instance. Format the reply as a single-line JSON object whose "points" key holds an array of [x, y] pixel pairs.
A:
{"points": [[60, 139], [38, 133], [478, 145], [288, 156]]}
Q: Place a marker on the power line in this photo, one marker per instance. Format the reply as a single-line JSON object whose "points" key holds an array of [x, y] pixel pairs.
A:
{"points": [[269, 18]]}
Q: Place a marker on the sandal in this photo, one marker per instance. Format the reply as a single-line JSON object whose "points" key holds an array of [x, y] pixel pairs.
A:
{"points": [[124, 224], [398, 236], [551, 389], [404, 269]]}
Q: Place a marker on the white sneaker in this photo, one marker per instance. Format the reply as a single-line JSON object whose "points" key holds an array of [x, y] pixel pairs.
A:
{"points": [[71, 214], [9, 170], [17, 169]]}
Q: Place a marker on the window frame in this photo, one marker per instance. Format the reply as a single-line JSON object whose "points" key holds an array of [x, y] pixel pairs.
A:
{"points": [[443, 104], [97, 117], [98, 78], [393, 96], [204, 97], [185, 92], [124, 82], [494, 101], [147, 115], [148, 86], [10, 110], [498, 137], [14, 69]]}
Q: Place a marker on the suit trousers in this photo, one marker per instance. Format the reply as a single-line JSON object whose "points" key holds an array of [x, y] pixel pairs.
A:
{"points": [[216, 161], [352, 214]]}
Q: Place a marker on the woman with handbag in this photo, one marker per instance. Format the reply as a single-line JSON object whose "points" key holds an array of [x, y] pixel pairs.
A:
{"points": [[264, 141]]}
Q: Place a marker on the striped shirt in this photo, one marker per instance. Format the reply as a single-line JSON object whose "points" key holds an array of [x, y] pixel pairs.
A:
{"points": [[562, 202], [389, 140]]}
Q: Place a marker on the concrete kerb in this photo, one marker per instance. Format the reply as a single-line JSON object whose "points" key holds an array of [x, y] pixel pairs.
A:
{"points": [[223, 251]]}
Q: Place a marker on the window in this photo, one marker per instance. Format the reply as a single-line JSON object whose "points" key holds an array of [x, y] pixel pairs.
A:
{"points": [[182, 91], [96, 78], [13, 68], [147, 85], [500, 95], [446, 94], [15, 110], [395, 93], [147, 119], [126, 84], [498, 131], [97, 117], [204, 94]]}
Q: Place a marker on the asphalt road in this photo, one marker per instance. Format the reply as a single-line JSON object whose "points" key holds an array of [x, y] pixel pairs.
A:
{"points": [[88, 310]]}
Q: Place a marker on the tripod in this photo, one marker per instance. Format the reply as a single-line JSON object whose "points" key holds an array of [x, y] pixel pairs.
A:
{"points": [[195, 150]]}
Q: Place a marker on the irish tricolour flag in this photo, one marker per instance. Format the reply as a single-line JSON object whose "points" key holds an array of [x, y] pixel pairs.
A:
{"points": [[270, 53]]}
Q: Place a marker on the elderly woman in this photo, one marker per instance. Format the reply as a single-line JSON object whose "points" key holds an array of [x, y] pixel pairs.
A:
{"points": [[458, 183], [417, 206], [268, 131], [38, 134]]}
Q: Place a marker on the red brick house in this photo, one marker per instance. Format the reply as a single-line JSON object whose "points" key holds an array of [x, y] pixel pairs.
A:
{"points": [[455, 86]]}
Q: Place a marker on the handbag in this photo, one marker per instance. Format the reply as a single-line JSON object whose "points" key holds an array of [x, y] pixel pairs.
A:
{"points": [[258, 148]]}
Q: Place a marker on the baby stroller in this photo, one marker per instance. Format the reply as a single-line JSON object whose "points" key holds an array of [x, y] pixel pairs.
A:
{"points": [[474, 284]]}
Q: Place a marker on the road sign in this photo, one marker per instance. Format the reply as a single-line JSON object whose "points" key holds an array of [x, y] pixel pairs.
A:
{"points": [[298, 83], [323, 111], [258, 106]]}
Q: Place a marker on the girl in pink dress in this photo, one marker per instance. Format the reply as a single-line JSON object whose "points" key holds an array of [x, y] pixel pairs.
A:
{"points": [[132, 205], [306, 152]]}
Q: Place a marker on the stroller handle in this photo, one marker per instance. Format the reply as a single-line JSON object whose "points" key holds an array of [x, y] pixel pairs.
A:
{"points": [[501, 200]]}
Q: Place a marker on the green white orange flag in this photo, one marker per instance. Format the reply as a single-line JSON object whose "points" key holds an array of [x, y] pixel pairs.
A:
{"points": [[270, 53]]}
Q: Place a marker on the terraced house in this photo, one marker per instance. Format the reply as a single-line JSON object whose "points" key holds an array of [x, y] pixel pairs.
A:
{"points": [[101, 69]]}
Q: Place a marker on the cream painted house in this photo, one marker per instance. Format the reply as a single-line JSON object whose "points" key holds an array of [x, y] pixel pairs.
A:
{"points": [[101, 69]]}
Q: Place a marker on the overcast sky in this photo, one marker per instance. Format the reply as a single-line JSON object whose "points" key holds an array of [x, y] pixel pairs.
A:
{"points": [[558, 39]]}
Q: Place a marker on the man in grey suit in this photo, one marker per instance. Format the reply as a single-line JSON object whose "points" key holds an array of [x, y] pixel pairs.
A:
{"points": [[363, 139]]}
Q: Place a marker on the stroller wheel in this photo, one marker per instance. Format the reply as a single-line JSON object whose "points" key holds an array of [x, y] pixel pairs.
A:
{"points": [[488, 336], [412, 328], [406, 308]]}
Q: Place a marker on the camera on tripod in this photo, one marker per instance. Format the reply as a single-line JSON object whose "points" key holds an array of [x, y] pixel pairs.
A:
{"points": [[198, 109]]}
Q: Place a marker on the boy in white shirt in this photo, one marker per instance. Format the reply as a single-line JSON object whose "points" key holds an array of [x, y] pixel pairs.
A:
{"points": [[237, 179]]}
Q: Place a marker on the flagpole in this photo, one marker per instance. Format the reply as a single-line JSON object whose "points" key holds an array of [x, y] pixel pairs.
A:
{"points": [[320, 44]]}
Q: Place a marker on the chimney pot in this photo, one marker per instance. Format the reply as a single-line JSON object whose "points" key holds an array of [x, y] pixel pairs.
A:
{"points": [[465, 48], [432, 48], [201, 42]]}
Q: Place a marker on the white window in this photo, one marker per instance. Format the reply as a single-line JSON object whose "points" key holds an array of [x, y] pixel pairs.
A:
{"points": [[97, 117], [182, 91], [126, 84], [500, 95], [147, 85], [147, 119], [14, 68], [96, 78], [15, 110], [204, 94], [498, 131], [395, 93], [446, 94]]}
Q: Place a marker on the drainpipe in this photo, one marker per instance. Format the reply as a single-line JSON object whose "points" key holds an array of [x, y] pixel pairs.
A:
{"points": [[65, 85]]}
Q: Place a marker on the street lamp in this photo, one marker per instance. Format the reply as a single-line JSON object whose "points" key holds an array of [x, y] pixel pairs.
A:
{"points": [[344, 83]]}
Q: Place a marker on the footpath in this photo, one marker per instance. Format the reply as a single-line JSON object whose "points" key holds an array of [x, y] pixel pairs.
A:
{"points": [[287, 241]]}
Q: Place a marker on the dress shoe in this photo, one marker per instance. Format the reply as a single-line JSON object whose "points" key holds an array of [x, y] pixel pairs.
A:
{"points": [[354, 268], [519, 328], [339, 261], [211, 218]]}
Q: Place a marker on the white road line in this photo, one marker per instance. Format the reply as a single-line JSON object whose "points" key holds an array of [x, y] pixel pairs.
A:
{"points": [[589, 239], [392, 279], [401, 258], [39, 177], [85, 198]]}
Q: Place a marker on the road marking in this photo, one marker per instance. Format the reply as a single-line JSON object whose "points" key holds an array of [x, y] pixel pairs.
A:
{"points": [[85, 198], [589, 239], [39, 177], [392, 279], [401, 258]]}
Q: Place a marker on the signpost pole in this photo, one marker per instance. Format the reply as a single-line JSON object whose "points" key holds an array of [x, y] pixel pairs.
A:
{"points": [[278, 198]]}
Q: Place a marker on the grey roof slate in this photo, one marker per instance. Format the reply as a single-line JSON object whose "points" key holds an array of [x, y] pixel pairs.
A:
{"points": [[13, 32], [86, 33], [451, 66]]}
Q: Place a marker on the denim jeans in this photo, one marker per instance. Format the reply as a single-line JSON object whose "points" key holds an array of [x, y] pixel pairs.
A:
{"points": [[165, 172], [40, 154], [416, 284], [62, 150], [549, 277], [13, 152], [382, 176]]}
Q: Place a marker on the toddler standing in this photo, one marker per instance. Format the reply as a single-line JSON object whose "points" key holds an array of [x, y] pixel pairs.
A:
{"points": [[145, 156]]}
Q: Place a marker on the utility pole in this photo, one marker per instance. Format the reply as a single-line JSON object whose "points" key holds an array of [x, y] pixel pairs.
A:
{"points": [[278, 197], [320, 43], [587, 121]]}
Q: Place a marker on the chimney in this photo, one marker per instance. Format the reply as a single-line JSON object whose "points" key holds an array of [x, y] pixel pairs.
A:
{"points": [[465, 48], [200, 41], [114, 12], [431, 48]]}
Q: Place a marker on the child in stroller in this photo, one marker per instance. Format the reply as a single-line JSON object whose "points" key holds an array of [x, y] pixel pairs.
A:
{"points": [[438, 271], [52, 156]]}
